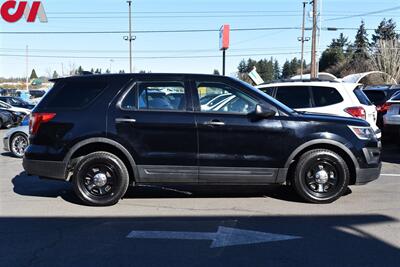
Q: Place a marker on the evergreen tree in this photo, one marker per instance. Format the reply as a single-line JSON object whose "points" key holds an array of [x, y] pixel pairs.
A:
{"points": [[121, 71], [216, 72], [108, 71], [92, 70], [385, 31], [361, 43], [277, 71], [33, 75], [286, 70]]}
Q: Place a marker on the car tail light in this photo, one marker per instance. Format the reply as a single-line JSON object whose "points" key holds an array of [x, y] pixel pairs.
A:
{"points": [[37, 119], [358, 112], [383, 108]]}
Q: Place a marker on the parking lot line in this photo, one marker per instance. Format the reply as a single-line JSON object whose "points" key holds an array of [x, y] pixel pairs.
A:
{"points": [[389, 174]]}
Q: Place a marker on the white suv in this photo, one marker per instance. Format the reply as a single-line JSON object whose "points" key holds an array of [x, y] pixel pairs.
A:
{"points": [[336, 98]]}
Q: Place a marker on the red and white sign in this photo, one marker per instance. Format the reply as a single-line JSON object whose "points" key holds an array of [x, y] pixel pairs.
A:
{"points": [[13, 11], [224, 37]]}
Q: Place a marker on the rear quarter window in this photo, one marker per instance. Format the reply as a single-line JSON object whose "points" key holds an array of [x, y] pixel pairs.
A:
{"points": [[326, 96], [362, 97], [74, 94]]}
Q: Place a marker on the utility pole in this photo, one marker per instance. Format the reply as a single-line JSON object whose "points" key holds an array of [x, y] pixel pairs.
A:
{"points": [[130, 38], [314, 71], [27, 69], [303, 39]]}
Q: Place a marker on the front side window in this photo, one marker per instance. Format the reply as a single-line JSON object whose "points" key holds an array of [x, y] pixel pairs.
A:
{"points": [[326, 96], [219, 97], [294, 96]]}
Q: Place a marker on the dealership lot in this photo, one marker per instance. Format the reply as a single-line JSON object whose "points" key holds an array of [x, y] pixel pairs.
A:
{"points": [[42, 224]]}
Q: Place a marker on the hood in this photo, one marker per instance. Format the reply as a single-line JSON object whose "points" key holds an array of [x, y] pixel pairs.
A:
{"points": [[310, 116]]}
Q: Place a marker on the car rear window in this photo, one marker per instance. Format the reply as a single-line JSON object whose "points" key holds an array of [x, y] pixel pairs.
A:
{"points": [[362, 97], [74, 94], [294, 96], [325, 96], [375, 96]]}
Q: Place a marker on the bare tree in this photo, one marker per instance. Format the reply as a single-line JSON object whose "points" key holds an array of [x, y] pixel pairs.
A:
{"points": [[386, 58]]}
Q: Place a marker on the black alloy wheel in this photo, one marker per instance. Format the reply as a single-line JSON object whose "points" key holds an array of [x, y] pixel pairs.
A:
{"points": [[321, 176], [100, 179]]}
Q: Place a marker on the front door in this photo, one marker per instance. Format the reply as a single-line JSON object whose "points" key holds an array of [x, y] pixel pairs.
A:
{"points": [[233, 147], [154, 118]]}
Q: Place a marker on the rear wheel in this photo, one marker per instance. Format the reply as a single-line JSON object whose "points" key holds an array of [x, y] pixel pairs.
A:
{"points": [[18, 144], [321, 176], [100, 179]]}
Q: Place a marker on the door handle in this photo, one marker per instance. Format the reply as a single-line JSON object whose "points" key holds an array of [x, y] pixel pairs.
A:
{"points": [[215, 123], [124, 120]]}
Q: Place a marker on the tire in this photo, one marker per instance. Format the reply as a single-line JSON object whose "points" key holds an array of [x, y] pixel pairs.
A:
{"points": [[321, 176], [100, 179], [18, 143]]}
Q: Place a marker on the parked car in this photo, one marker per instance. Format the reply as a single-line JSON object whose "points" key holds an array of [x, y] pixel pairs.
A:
{"points": [[392, 117], [16, 139], [379, 95], [103, 133], [6, 119], [16, 102], [325, 97], [16, 110]]}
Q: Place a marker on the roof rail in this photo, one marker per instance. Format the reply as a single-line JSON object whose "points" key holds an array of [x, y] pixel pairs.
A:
{"points": [[299, 80]]}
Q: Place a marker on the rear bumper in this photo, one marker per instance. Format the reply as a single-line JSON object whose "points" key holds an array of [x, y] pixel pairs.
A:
{"points": [[367, 175], [46, 169]]}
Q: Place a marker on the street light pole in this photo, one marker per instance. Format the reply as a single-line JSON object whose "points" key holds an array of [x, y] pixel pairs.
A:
{"points": [[302, 40], [130, 38]]}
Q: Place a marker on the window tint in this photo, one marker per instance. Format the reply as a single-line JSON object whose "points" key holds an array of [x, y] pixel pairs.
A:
{"points": [[326, 96], [294, 96], [268, 90], [75, 94], [162, 96], [362, 97], [224, 98], [376, 97]]}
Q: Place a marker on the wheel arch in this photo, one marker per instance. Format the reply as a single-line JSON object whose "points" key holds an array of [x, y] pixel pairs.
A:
{"points": [[104, 144], [335, 146]]}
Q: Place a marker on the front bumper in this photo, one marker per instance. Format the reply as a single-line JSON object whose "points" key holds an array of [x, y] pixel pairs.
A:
{"points": [[367, 175], [46, 169], [6, 144]]}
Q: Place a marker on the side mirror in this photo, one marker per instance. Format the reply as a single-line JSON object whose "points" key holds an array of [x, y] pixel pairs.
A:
{"points": [[263, 112]]}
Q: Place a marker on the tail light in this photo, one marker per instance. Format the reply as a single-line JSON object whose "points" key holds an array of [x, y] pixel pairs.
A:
{"points": [[383, 108], [37, 119], [358, 112]]}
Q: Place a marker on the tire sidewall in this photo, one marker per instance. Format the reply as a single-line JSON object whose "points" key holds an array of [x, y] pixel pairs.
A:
{"points": [[121, 173], [311, 158]]}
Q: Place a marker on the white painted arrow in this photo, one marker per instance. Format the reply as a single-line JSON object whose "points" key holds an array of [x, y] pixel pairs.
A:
{"points": [[224, 237]]}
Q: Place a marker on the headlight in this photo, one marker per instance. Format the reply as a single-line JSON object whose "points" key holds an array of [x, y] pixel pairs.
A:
{"points": [[364, 133]]}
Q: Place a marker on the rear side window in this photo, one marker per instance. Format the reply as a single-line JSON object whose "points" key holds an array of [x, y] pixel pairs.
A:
{"points": [[75, 94], [362, 97], [326, 96], [294, 96]]}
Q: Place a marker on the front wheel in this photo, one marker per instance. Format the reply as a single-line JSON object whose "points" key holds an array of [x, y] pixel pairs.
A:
{"points": [[100, 179], [321, 176]]}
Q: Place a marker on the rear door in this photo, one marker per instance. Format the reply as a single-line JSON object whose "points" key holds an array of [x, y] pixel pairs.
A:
{"points": [[154, 117]]}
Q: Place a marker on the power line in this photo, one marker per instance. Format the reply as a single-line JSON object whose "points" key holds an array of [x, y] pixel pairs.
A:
{"points": [[149, 57], [365, 14]]}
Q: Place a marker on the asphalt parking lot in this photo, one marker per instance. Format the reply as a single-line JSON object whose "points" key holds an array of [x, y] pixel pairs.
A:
{"points": [[43, 224]]}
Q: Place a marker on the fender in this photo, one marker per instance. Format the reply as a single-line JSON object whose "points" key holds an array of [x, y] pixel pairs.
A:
{"points": [[322, 141], [105, 141]]}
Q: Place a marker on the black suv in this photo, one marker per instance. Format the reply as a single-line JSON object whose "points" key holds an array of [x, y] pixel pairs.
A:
{"points": [[106, 132]]}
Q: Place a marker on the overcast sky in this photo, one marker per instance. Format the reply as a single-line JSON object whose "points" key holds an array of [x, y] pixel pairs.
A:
{"points": [[174, 52]]}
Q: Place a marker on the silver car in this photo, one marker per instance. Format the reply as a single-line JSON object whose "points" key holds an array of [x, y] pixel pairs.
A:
{"points": [[16, 139]]}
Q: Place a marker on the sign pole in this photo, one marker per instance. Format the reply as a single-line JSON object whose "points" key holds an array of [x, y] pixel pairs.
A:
{"points": [[223, 62]]}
